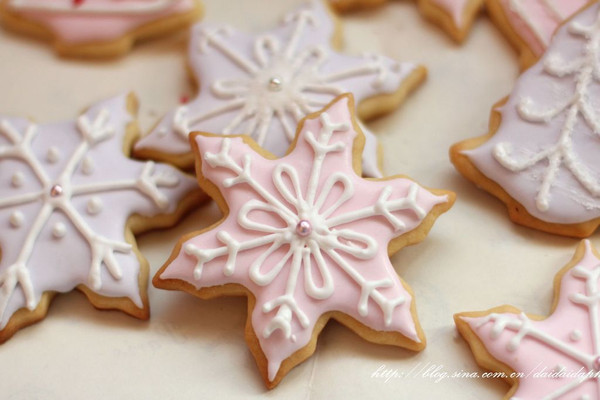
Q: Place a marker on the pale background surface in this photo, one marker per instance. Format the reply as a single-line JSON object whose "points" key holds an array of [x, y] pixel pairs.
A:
{"points": [[474, 258]]}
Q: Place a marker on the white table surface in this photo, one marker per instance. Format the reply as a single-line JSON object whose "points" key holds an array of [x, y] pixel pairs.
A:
{"points": [[473, 259]]}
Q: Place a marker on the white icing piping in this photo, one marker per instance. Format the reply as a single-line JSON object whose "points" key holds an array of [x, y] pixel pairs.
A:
{"points": [[585, 69], [308, 206], [524, 327], [102, 248], [89, 8], [297, 93]]}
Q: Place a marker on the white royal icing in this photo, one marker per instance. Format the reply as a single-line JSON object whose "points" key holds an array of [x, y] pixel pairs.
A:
{"points": [[544, 153], [47, 205], [264, 85], [523, 327]]}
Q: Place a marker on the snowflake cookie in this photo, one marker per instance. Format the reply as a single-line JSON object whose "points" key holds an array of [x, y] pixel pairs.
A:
{"points": [[69, 205], [306, 239], [97, 28], [454, 16], [541, 154], [528, 24], [263, 85], [554, 357]]}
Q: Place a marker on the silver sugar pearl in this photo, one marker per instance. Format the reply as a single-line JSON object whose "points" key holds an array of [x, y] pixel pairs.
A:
{"points": [[275, 84], [56, 190]]}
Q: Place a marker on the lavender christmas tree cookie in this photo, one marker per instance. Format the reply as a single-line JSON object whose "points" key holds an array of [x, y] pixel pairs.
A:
{"points": [[263, 85], [541, 154], [70, 203]]}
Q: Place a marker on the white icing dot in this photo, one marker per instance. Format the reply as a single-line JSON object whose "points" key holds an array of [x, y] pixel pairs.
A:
{"points": [[87, 166], [94, 205], [16, 219], [53, 155], [17, 179], [59, 230], [575, 335]]}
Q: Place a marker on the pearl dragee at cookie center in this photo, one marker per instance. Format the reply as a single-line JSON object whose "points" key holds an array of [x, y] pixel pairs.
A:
{"points": [[56, 190], [275, 84], [304, 228]]}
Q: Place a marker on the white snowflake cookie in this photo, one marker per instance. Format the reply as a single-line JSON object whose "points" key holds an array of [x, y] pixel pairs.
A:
{"points": [[306, 239], [555, 357], [541, 154], [262, 85], [70, 202]]}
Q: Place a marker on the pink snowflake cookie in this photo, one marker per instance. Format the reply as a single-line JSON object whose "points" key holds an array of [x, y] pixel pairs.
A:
{"points": [[306, 239], [69, 205], [528, 24], [262, 85], [97, 28], [554, 357]]}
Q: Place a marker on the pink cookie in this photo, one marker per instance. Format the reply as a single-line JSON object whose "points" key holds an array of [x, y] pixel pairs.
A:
{"points": [[262, 85], [530, 24], [69, 205], [97, 28], [454, 16], [554, 357], [306, 239]]}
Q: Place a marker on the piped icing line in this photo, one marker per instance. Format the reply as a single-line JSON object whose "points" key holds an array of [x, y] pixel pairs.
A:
{"points": [[53, 205], [93, 7], [542, 153], [300, 239], [264, 85], [566, 341]]}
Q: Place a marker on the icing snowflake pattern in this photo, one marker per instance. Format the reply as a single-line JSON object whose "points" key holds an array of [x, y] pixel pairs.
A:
{"points": [[262, 86], [302, 231], [566, 342], [52, 185]]}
